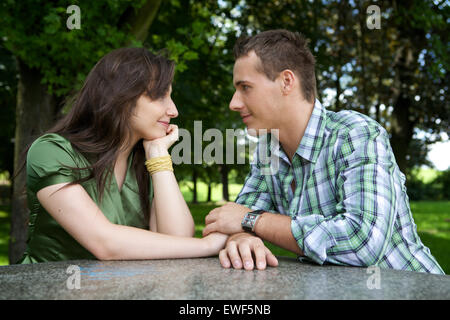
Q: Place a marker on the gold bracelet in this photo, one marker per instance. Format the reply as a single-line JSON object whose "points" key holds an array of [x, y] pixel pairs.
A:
{"points": [[157, 164]]}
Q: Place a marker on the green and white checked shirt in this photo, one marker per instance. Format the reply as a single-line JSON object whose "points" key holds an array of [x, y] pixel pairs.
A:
{"points": [[350, 205]]}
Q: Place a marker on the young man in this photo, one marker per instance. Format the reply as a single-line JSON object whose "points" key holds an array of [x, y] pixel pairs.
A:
{"points": [[337, 195]]}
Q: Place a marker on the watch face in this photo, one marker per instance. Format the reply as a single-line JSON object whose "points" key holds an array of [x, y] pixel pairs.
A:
{"points": [[252, 218], [249, 220]]}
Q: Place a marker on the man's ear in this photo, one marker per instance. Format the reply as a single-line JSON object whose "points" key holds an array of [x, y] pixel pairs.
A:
{"points": [[287, 81]]}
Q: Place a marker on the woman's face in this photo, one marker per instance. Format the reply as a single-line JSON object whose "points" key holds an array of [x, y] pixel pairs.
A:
{"points": [[151, 118]]}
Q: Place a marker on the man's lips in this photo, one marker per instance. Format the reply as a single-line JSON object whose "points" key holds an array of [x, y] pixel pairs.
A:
{"points": [[245, 117]]}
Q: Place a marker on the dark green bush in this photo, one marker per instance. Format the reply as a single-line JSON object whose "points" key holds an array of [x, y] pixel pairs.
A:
{"points": [[437, 189]]}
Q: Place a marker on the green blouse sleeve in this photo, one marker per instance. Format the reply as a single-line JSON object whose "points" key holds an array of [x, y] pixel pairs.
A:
{"points": [[47, 161]]}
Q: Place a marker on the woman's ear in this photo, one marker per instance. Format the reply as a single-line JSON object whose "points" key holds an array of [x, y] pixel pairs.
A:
{"points": [[288, 81]]}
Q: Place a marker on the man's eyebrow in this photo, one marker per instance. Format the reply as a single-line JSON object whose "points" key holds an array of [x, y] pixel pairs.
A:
{"points": [[238, 83]]}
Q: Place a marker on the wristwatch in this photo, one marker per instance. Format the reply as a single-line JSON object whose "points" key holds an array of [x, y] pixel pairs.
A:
{"points": [[250, 218]]}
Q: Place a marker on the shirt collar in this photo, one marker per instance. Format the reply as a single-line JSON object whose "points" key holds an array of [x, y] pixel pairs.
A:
{"points": [[312, 140], [311, 143]]}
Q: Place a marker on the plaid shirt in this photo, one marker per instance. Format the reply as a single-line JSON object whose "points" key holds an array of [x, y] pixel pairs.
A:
{"points": [[349, 206]]}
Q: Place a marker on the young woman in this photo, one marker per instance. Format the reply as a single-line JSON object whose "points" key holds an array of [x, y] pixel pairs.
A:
{"points": [[100, 183]]}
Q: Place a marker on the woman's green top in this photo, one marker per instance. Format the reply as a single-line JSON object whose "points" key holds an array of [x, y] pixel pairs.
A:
{"points": [[46, 161]]}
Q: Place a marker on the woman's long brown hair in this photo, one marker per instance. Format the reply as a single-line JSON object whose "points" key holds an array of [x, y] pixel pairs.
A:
{"points": [[98, 123]]}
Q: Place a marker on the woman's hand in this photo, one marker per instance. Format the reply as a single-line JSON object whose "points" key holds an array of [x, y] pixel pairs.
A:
{"points": [[159, 147], [215, 241]]}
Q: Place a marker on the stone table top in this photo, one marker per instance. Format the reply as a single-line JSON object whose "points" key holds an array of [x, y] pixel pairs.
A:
{"points": [[205, 279]]}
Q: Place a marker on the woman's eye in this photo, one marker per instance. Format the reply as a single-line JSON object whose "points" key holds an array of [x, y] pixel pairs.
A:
{"points": [[244, 87]]}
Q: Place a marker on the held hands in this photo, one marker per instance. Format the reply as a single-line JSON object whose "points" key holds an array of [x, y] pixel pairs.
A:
{"points": [[216, 242], [159, 147], [242, 249]]}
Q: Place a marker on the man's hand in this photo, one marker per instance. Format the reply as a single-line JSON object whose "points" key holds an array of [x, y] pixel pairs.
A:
{"points": [[239, 249], [225, 219]]}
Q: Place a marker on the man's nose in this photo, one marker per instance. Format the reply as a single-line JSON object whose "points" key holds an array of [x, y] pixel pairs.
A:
{"points": [[236, 102]]}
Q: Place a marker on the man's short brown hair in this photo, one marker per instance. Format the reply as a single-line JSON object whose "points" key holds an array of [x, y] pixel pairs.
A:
{"points": [[279, 50]]}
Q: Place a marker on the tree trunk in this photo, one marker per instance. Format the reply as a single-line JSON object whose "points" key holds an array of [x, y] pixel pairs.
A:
{"points": [[402, 131], [35, 113], [140, 20], [403, 121], [337, 105], [194, 180], [224, 174], [208, 199], [378, 104]]}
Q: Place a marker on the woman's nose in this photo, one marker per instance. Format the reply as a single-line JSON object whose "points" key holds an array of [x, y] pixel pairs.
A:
{"points": [[172, 111]]}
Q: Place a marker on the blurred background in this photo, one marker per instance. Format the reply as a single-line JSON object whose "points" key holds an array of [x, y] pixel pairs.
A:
{"points": [[386, 59]]}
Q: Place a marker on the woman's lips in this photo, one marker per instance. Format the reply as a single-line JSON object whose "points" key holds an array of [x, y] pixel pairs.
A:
{"points": [[164, 123]]}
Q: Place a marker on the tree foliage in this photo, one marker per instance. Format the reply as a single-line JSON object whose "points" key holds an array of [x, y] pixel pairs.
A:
{"points": [[396, 74]]}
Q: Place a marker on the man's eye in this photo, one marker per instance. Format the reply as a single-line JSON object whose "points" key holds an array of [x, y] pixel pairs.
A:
{"points": [[244, 87]]}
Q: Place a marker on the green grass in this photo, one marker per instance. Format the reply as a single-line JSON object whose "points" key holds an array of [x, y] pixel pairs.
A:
{"points": [[433, 226], [4, 234]]}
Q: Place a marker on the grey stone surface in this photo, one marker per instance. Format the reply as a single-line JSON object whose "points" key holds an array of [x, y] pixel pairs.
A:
{"points": [[200, 279]]}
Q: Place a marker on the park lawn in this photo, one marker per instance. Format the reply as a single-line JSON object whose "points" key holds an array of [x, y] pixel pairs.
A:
{"points": [[433, 226], [4, 234]]}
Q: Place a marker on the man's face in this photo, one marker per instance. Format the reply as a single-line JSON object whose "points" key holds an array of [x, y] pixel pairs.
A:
{"points": [[257, 98]]}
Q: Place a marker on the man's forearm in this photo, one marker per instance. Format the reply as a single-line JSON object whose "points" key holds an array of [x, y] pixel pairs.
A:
{"points": [[276, 228]]}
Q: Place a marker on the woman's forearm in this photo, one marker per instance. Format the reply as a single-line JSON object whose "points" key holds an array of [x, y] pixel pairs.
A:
{"points": [[152, 223], [129, 243], [172, 213], [79, 215]]}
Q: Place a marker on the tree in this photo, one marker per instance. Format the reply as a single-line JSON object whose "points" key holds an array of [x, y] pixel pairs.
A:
{"points": [[397, 74], [421, 61]]}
